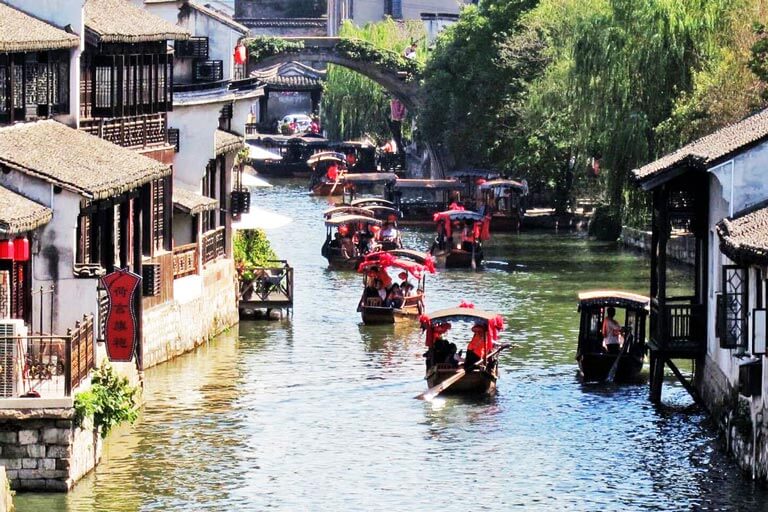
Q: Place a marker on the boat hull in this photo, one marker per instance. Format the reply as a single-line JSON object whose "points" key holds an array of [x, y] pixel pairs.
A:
{"points": [[595, 366], [457, 258], [504, 224], [327, 189], [410, 311], [476, 382]]}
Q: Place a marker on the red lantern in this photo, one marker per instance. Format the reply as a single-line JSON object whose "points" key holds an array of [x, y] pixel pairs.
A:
{"points": [[240, 53], [6, 250], [21, 249]]}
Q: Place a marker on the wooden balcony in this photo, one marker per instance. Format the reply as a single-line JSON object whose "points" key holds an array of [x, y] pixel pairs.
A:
{"points": [[185, 260], [135, 132], [679, 328], [165, 264], [214, 244]]}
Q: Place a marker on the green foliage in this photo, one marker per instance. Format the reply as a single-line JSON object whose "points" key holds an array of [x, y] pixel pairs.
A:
{"points": [[605, 224], [353, 105], [251, 249], [261, 47], [110, 401]]}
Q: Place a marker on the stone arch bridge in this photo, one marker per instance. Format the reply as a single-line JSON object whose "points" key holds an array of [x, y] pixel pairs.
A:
{"points": [[400, 77]]}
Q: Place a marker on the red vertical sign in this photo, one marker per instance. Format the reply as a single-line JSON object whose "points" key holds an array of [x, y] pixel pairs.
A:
{"points": [[121, 328]]}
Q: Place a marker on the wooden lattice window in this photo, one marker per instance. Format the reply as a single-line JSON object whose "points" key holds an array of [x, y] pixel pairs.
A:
{"points": [[158, 213], [733, 304], [83, 248], [19, 290]]}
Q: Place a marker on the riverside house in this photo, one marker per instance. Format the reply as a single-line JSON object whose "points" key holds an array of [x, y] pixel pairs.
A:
{"points": [[716, 190]]}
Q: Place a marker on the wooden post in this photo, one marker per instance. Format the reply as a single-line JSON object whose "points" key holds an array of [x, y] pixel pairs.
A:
{"points": [[68, 366], [656, 377]]}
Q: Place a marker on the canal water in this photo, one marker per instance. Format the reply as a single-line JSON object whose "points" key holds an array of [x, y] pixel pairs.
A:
{"points": [[317, 413]]}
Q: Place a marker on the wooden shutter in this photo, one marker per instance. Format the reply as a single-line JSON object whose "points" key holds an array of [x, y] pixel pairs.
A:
{"points": [[105, 86], [158, 214]]}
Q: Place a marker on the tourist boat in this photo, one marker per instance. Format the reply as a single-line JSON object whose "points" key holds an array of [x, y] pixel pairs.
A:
{"points": [[360, 155], [368, 185], [471, 179], [294, 151], [347, 210], [460, 234], [348, 239], [595, 363], [503, 201], [441, 363], [419, 200], [374, 266], [328, 171]]}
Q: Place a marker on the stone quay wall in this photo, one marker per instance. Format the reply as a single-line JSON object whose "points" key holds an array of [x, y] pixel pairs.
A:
{"points": [[6, 497], [738, 420], [43, 450], [179, 326], [681, 248]]}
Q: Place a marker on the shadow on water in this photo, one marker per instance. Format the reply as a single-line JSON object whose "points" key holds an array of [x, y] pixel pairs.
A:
{"points": [[317, 412]]}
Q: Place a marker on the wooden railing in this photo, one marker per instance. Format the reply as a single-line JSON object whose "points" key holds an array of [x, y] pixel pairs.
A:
{"points": [[678, 326], [130, 132], [214, 245], [269, 283], [47, 365], [185, 260], [81, 347]]}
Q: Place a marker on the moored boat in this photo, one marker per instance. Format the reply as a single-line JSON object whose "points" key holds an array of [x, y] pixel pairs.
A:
{"points": [[597, 359], [460, 234], [385, 302], [419, 200], [477, 372]]}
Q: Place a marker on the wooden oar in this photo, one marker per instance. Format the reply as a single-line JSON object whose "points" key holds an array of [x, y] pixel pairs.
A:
{"points": [[436, 390], [335, 183], [615, 367]]}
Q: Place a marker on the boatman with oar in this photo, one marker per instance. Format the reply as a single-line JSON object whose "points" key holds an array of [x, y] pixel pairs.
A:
{"points": [[478, 348]]}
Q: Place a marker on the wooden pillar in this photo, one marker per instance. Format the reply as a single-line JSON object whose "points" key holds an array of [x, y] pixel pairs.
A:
{"points": [[656, 376], [137, 234], [125, 234]]}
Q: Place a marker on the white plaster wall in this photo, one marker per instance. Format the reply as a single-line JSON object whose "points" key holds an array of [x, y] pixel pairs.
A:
{"points": [[412, 9], [243, 107], [367, 11], [434, 26], [53, 254], [62, 13], [182, 228], [197, 125]]}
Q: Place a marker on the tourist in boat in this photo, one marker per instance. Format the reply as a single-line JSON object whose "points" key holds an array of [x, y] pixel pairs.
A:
{"points": [[395, 297], [611, 332], [370, 290]]}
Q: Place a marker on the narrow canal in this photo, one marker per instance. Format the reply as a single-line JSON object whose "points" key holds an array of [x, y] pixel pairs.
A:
{"points": [[318, 413]]}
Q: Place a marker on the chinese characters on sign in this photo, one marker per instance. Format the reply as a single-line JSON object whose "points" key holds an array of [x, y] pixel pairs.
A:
{"points": [[121, 328]]}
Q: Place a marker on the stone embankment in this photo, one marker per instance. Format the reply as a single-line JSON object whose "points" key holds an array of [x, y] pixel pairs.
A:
{"points": [[681, 248]]}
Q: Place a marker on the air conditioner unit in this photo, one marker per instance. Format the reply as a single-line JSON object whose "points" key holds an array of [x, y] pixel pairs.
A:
{"points": [[13, 347]]}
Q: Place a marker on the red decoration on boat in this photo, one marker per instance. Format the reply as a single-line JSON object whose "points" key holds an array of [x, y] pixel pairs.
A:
{"points": [[6, 250], [384, 260], [240, 53], [465, 304], [121, 328], [21, 249]]}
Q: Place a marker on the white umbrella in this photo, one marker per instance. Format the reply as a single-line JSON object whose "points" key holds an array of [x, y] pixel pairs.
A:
{"points": [[259, 153], [249, 180], [258, 218]]}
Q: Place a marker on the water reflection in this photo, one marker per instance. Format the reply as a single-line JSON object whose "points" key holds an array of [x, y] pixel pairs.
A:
{"points": [[317, 413]]}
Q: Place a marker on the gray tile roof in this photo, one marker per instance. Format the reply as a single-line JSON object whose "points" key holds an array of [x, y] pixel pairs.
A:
{"points": [[20, 32], [711, 148], [192, 202], [120, 21], [216, 15], [19, 214], [75, 160], [227, 142], [291, 75], [744, 238]]}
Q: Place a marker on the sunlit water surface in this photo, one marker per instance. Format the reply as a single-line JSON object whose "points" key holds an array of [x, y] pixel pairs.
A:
{"points": [[317, 413]]}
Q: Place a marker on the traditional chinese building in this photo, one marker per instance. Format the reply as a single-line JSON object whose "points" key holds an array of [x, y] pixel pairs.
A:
{"points": [[715, 190], [289, 88]]}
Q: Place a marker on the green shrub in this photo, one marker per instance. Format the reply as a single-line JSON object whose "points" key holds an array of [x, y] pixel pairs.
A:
{"points": [[251, 250], [605, 224], [261, 47], [110, 401]]}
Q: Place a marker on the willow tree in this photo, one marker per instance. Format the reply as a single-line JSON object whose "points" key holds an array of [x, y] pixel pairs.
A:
{"points": [[353, 105], [630, 65]]}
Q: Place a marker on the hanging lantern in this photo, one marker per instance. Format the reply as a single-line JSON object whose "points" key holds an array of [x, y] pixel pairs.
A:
{"points": [[6, 250], [21, 249], [240, 53]]}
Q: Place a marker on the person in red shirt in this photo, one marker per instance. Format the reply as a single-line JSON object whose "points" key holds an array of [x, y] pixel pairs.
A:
{"points": [[478, 347]]}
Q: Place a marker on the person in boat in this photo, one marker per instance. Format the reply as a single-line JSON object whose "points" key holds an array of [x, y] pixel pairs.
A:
{"points": [[439, 242], [389, 235], [408, 289], [348, 249], [371, 291], [477, 348], [441, 351], [395, 297], [611, 332]]}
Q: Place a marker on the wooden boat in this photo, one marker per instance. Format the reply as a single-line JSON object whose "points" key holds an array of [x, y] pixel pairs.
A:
{"points": [[595, 362], [294, 150], [471, 178], [346, 241], [419, 200], [328, 170], [479, 378], [368, 185], [375, 265], [503, 201], [360, 155], [458, 243]]}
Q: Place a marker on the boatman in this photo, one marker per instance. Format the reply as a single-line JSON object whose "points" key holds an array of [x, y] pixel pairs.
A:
{"points": [[478, 347]]}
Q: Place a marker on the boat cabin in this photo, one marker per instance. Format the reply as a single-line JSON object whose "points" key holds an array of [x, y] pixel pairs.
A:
{"points": [[471, 179], [631, 312], [419, 200], [293, 150], [360, 155], [328, 171], [503, 200], [377, 185]]}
